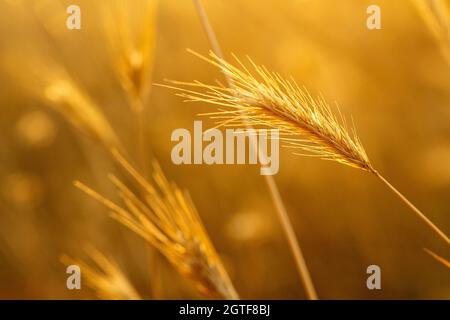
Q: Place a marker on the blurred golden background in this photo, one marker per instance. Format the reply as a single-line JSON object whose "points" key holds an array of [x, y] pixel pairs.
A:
{"points": [[393, 82]]}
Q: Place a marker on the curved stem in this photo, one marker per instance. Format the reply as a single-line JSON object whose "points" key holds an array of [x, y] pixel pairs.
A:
{"points": [[419, 213]]}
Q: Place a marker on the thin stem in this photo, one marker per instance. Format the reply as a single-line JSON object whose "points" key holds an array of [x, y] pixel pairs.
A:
{"points": [[141, 143], [230, 291], [438, 258], [296, 250], [270, 181], [210, 33], [415, 210]]}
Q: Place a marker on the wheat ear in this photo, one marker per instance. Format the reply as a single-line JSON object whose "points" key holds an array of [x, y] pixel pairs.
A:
{"points": [[305, 123], [270, 181], [165, 217]]}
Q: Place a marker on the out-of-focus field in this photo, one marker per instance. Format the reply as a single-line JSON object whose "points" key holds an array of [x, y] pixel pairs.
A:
{"points": [[394, 83]]}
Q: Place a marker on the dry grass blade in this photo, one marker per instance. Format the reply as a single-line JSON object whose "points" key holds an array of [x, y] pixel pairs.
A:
{"points": [[438, 258], [436, 14], [166, 217], [131, 30], [265, 99], [105, 278]]}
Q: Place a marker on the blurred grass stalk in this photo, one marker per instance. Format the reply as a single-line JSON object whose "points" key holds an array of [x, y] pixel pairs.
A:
{"points": [[77, 107], [436, 14], [280, 208], [438, 258], [131, 31]]}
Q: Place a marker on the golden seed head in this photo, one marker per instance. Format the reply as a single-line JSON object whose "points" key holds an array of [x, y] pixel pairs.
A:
{"points": [[165, 216], [264, 99]]}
